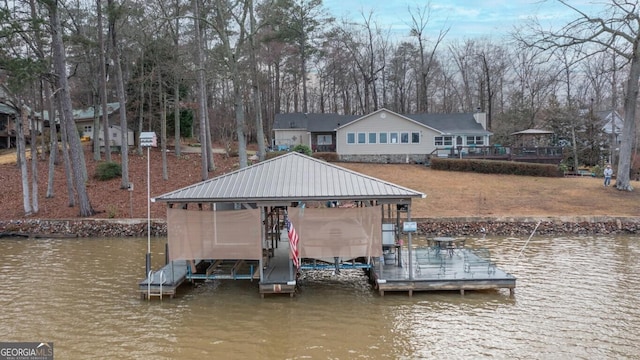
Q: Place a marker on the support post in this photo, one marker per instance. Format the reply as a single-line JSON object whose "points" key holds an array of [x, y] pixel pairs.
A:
{"points": [[148, 263], [148, 139], [148, 213]]}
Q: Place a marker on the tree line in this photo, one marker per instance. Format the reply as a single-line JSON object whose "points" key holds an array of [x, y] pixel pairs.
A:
{"points": [[220, 70]]}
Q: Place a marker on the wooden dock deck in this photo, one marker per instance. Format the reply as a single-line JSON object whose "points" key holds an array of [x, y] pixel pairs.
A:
{"points": [[165, 281], [439, 270]]}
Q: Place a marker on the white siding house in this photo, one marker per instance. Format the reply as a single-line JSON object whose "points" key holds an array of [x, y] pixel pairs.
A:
{"points": [[115, 136], [384, 133], [385, 136], [286, 139], [382, 136]]}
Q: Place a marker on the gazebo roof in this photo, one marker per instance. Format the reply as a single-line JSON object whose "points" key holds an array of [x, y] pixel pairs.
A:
{"points": [[288, 178], [533, 132]]}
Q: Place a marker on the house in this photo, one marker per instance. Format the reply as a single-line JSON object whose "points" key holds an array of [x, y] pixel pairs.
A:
{"points": [[115, 136], [84, 121], [8, 116], [382, 136], [7, 126], [318, 131], [612, 122]]}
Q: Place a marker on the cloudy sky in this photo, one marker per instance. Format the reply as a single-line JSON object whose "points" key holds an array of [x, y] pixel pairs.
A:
{"points": [[466, 18]]}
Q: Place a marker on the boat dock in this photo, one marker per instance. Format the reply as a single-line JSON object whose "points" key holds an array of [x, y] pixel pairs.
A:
{"points": [[435, 269]]}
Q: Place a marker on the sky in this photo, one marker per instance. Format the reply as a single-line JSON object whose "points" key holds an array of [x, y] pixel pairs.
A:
{"points": [[467, 19]]}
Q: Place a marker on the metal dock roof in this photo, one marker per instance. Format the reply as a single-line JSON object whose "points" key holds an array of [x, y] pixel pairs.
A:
{"points": [[290, 177]]}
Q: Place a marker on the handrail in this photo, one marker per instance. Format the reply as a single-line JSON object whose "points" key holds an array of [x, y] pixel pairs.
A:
{"points": [[163, 279], [149, 279]]}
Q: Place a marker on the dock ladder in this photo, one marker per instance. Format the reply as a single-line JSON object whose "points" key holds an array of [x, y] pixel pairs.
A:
{"points": [[162, 279]]}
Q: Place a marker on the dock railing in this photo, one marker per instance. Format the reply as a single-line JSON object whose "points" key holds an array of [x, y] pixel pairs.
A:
{"points": [[549, 154]]}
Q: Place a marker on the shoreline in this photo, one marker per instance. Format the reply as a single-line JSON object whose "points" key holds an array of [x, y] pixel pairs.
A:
{"points": [[451, 226]]}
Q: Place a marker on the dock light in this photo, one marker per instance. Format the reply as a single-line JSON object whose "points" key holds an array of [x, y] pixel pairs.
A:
{"points": [[148, 139]]}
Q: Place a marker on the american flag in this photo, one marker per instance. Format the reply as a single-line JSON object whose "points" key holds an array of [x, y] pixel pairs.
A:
{"points": [[293, 243]]}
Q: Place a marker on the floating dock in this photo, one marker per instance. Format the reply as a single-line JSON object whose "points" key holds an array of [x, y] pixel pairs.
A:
{"points": [[434, 269], [166, 281]]}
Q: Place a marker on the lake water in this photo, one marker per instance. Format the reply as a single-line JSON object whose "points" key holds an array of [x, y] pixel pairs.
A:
{"points": [[576, 298]]}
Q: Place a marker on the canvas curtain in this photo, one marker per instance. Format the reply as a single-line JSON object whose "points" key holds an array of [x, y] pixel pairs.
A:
{"points": [[338, 232], [225, 235]]}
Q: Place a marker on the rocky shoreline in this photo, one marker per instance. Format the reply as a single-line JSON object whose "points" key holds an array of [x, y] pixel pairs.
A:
{"points": [[458, 226]]}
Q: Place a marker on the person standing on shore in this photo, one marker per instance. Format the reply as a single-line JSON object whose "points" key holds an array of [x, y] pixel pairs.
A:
{"points": [[608, 172]]}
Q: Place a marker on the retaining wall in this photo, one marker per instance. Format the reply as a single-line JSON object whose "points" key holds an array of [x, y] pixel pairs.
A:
{"points": [[459, 226]]}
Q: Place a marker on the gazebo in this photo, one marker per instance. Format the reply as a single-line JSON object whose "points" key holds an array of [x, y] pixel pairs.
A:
{"points": [[532, 138]]}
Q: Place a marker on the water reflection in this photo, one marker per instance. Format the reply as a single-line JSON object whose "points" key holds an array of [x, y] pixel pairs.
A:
{"points": [[576, 297]]}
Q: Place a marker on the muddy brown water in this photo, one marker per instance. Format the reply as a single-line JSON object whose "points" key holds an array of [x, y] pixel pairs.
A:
{"points": [[576, 298]]}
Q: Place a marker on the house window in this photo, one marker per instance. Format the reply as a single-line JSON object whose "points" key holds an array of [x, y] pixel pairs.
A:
{"points": [[372, 138], [383, 138], [415, 137], [475, 140], [88, 129], [324, 140], [393, 138], [404, 137], [351, 138], [443, 140], [362, 138]]}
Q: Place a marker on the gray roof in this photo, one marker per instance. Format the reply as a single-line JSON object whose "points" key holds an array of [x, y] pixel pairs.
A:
{"points": [[312, 122], [83, 114], [6, 109], [456, 123], [290, 177], [610, 118]]}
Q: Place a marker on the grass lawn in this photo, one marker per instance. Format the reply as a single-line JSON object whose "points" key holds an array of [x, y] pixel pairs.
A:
{"points": [[458, 194]]}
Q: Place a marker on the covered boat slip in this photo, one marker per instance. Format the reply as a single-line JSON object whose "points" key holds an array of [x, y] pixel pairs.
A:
{"points": [[343, 219], [239, 237]]}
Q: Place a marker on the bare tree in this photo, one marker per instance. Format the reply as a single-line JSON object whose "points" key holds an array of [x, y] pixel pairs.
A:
{"points": [[53, 138], [75, 147], [232, 56], [419, 22], [21, 156], [103, 90], [618, 30], [34, 165], [115, 13], [257, 103], [202, 95]]}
